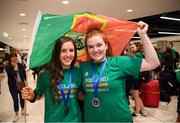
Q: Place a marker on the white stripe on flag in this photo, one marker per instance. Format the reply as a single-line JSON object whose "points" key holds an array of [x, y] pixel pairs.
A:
{"points": [[35, 29]]}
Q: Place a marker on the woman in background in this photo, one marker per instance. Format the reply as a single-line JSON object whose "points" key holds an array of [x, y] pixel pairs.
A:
{"points": [[15, 72]]}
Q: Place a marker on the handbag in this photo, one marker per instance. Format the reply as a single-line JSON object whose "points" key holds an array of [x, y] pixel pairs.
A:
{"points": [[20, 85], [145, 76]]}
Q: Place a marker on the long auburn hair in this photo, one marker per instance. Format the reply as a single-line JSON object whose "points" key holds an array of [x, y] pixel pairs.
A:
{"points": [[55, 67], [94, 32]]}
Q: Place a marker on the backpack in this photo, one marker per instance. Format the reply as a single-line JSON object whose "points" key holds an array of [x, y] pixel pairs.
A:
{"points": [[145, 76]]}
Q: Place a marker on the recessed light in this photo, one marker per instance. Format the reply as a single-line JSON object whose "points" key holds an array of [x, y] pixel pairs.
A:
{"points": [[13, 41], [10, 38], [24, 36], [129, 10], [23, 29], [22, 14], [65, 2], [5, 34]]}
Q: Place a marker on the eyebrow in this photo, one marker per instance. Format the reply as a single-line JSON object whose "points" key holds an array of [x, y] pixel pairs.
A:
{"points": [[95, 44]]}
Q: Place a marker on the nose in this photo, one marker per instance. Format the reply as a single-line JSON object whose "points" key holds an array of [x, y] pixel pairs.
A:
{"points": [[95, 49], [68, 53]]}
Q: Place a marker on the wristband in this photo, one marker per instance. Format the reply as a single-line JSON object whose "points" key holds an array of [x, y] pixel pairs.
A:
{"points": [[34, 99]]}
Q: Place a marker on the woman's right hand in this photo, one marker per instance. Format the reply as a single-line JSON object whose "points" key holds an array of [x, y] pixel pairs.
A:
{"points": [[27, 93]]}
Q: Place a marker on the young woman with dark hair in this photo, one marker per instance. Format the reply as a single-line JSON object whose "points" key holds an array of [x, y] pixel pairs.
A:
{"points": [[59, 83]]}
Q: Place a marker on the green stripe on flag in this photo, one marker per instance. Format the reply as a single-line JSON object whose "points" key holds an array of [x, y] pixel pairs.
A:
{"points": [[51, 27]]}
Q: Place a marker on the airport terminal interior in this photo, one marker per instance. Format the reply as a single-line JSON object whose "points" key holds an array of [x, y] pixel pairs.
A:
{"points": [[165, 112], [18, 28]]}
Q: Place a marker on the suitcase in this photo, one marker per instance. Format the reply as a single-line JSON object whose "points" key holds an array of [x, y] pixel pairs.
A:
{"points": [[150, 94], [168, 83]]}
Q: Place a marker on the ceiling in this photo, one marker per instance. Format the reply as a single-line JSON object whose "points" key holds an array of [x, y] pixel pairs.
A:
{"points": [[158, 27], [12, 23]]}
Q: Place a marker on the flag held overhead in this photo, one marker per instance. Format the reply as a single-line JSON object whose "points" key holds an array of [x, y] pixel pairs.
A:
{"points": [[49, 28]]}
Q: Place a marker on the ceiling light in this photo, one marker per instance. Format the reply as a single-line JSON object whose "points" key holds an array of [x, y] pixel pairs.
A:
{"points": [[24, 36], [10, 38], [22, 14], [5, 34], [23, 29], [13, 41], [129, 10], [65, 2], [170, 33], [2, 49], [169, 18], [136, 37]]}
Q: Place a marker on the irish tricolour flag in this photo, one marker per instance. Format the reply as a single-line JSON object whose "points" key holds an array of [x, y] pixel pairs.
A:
{"points": [[48, 28]]}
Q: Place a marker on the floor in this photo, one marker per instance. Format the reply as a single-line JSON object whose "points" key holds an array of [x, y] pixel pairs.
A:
{"points": [[164, 113]]}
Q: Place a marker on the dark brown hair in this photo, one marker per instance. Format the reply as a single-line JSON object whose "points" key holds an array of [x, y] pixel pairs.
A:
{"points": [[11, 55], [55, 66], [95, 32]]}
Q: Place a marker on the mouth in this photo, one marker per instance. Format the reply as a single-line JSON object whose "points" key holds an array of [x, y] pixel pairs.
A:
{"points": [[97, 54], [68, 59]]}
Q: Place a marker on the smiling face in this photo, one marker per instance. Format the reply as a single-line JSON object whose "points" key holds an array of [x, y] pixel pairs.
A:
{"points": [[67, 54], [133, 49], [96, 48], [13, 59]]}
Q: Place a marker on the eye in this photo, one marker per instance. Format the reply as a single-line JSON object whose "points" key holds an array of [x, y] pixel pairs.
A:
{"points": [[63, 50], [89, 46], [99, 45], [71, 50]]}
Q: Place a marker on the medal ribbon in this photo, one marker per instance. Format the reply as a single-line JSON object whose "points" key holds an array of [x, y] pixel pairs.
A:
{"points": [[96, 82], [66, 99]]}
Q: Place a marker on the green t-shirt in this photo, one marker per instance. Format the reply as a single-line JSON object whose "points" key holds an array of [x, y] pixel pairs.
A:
{"points": [[171, 62], [140, 55], [54, 113], [111, 91]]}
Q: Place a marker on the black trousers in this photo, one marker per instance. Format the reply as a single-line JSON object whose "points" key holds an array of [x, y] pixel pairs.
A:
{"points": [[15, 93]]}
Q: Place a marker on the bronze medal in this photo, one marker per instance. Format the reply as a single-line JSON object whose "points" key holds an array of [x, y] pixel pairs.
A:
{"points": [[95, 102]]}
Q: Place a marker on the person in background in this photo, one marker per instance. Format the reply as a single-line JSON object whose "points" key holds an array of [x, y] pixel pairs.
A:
{"points": [[171, 61], [104, 77], [19, 56], [178, 108], [156, 72], [136, 83], [133, 49], [171, 58], [14, 69], [59, 82]]}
